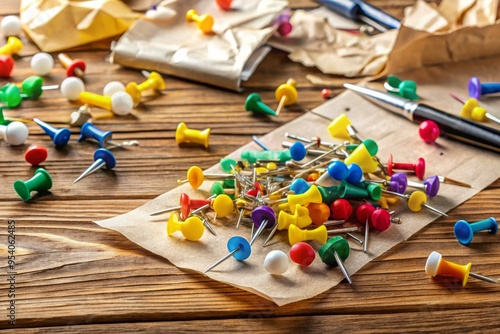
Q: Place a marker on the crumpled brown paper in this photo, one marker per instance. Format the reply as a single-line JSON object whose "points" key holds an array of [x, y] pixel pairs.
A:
{"points": [[430, 34], [56, 25], [166, 43], [394, 135]]}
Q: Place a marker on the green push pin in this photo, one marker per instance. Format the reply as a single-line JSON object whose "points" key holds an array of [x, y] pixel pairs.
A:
{"points": [[2, 118], [41, 181], [334, 252], [255, 104], [253, 156], [406, 88], [32, 87], [369, 191], [10, 95]]}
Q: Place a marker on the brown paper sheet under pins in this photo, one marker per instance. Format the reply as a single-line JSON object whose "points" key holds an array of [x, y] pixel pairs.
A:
{"points": [[393, 134]]}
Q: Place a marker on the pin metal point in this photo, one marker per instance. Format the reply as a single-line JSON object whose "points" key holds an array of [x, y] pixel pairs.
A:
{"points": [[102, 158], [367, 230]]}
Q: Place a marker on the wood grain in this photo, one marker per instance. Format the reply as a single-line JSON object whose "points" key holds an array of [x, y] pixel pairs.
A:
{"points": [[73, 276]]}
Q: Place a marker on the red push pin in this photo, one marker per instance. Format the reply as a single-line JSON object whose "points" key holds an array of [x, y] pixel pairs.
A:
{"points": [[429, 131], [341, 209], [6, 66], [326, 93], [418, 168], [35, 155], [74, 68]]}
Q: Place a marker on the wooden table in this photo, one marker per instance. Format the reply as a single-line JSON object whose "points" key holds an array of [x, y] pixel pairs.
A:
{"points": [[73, 275]]}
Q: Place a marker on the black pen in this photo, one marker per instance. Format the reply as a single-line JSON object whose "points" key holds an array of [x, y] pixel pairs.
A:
{"points": [[451, 126]]}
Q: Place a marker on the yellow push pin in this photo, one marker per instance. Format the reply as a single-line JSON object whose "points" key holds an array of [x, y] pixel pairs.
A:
{"points": [[195, 177], [204, 22], [120, 103], [300, 219], [363, 155], [416, 201], [312, 195], [436, 266], [12, 47], [319, 234], [153, 82], [473, 111], [186, 135], [286, 94], [192, 228]]}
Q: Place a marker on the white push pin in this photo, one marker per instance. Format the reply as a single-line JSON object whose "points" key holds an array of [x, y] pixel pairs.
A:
{"points": [[276, 262], [113, 87], [11, 25], [72, 87], [42, 63], [14, 133]]}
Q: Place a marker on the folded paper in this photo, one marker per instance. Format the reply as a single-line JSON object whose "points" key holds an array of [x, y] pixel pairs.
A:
{"points": [[163, 41]]}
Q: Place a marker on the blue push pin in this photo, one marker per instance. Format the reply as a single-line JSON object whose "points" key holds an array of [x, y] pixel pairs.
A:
{"points": [[60, 137], [464, 231], [102, 158], [355, 173], [89, 130], [298, 150], [299, 186], [478, 89]]}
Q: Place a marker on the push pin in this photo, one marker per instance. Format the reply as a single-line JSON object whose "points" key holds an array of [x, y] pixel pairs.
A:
{"points": [[204, 22], [283, 23], [428, 131], [336, 171], [341, 209], [41, 181], [341, 127], [372, 191], [364, 155], [6, 66], [112, 87], [10, 95], [224, 4], [42, 63], [192, 228], [102, 158], [418, 168], [60, 137], [286, 94], [436, 266], [253, 156], [403, 88], [81, 116], [310, 196], [89, 130], [185, 135], [74, 68], [186, 204], [276, 262], [71, 88], [473, 111], [195, 177], [298, 151], [478, 89], [334, 252], [326, 93], [430, 185], [319, 234], [302, 253], [416, 201], [35, 155], [153, 82], [300, 219], [10, 26], [254, 104], [464, 231], [397, 183], [33, 88], [12, 47], [120, 102], [14, 133]]}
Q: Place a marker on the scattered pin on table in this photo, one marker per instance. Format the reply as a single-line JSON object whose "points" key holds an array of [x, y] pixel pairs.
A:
{"points": [[464, 231], [153, 82], [430, 185], [10, 25], [473, 111], [14, 133], [302, 253], [334, 252], [195, 177], [254, 104], [35, 155], [10, 95], [42, 63], [119, 103], [204, 22], [429, 131], [12, 47], [6, 66], [404, 88], [418, 168], [283, 23], [436, 266], [416, 201], [102, 158], [41, 181], [104, 138], [319, 234], [32, 87], [238, 247], [286, 94], [60, 137], [477, 88], [112, 87], [74, 68], [183, 134], [276, 262], [71, 88], [191, 228], [81, 116]]}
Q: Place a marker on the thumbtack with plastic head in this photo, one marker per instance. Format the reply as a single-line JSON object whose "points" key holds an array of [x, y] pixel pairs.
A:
{"points": [[60, 137], [12, 47], [120, 102], [33, 88], [81, 116], [183, 134], [35, 155], [430, 185], [365, 156], [10, 95], [254, 104], [204, 22], [42, 63], [276, 262], [195, 177], [338, 127], [71, 88], [334, 252], [286, 94], [416, 201], [74, 68], [437, 266], [428, 131], [102, 158], [153, 82], [370, 192], [283, 23], [473, 111], [89, 130], [319, 234], [418, 168], [112, 87], [464, 231], [310, 196], [6, 66], [10, 25], [224, 4], [238, 247], [298, 151], [336, 171], [300, 219], [263, 217], [302, 253], [14, 133], [192, 228], [41, 181], [186, 204], [253, 156], [403, 88], [477, 88]]}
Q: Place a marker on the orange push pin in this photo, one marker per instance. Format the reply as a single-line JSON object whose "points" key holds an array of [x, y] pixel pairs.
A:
{"points": [[436, 266], [153, 82], [204, 22], [187, 135], [12, 47], [120, 103], [74, 68], [286, 94]]}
